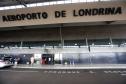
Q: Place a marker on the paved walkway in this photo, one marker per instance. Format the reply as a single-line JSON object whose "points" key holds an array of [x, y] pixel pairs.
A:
{"points": [[93, 66]]}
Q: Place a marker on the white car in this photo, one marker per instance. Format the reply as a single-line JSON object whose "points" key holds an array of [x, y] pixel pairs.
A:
{"points": [[4, 64]]}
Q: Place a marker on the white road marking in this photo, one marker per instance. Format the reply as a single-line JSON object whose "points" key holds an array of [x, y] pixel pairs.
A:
{"points": [[115, 72], [123, 74], [91, 72], [18, 71], [61, 72]]}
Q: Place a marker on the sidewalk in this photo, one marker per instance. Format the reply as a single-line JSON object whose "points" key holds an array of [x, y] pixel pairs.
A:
{"points": [[93, 66]]}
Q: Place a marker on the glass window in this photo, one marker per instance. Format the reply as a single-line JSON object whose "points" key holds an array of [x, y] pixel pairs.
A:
{"points": [[98, 42], [103, 58], [74, 42]]}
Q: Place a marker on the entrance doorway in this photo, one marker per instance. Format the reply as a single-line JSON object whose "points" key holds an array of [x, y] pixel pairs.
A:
{"points": [[47, 59]]}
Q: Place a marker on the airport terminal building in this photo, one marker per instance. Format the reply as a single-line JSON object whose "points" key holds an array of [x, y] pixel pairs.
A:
{"points": [[66, 34]]}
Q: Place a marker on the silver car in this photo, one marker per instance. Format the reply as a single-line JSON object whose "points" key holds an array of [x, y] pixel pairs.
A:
{"points": [[4, 64]]}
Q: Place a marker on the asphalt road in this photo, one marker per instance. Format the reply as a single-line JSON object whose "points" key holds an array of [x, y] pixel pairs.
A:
{"points": [[62, 76]]}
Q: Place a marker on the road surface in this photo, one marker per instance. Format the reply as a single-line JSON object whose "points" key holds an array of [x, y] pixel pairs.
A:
{"points": [[62, 76]]}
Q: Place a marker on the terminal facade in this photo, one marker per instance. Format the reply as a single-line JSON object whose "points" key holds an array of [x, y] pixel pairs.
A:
{"points": [[76, 33]]}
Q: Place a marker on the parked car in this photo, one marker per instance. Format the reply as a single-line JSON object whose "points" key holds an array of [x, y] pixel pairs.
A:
{"points": [[4, 64]]}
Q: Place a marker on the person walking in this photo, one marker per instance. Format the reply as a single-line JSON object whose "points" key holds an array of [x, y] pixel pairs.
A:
{"points": [[32, 60]]}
